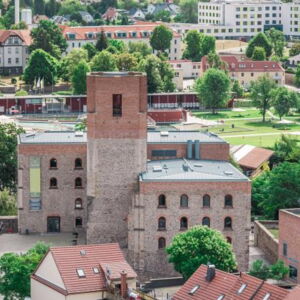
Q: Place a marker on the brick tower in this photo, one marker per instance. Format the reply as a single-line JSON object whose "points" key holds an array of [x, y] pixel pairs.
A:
{"points": [[116, 145]]}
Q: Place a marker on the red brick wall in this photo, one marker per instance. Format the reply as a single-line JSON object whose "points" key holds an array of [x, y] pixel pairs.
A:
{"points": [[167, 116], [46, 149], [289, 233]]}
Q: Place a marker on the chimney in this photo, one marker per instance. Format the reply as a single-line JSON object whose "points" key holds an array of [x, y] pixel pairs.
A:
{"points": [[124, 284], [211, 273]]}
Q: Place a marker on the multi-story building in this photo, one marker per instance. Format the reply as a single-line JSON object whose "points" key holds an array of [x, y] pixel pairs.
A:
{"points": [[289, 241], [78, 36], [291, 19], [120, 183], [246, 70], [14, 51]]}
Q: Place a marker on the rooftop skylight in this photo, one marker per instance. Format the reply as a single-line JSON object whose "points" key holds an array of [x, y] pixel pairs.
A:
{"points": [[80, 273], [194, 290], [242, 288]]}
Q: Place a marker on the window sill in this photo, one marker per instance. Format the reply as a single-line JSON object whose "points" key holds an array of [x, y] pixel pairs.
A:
{"points": [[79, 168], [161, 229], [228, 229], [183, 229], [53, 188], [228, 207], [161, 206], [78, 187], [53, 168], [78, 208], [206, 207], [183, 207]]}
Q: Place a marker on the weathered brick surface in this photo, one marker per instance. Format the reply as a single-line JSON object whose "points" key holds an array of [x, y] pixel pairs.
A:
{"points": [[55, 202], [289, 233], [143, 229]]}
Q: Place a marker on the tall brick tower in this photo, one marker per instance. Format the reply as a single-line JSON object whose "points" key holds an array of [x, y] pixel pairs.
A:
{"points": [[117, 137]]}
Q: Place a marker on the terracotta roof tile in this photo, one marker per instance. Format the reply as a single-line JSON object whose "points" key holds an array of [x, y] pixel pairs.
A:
{"points": [[69, 259], [255, 158], [228, 285], [23, 34]]}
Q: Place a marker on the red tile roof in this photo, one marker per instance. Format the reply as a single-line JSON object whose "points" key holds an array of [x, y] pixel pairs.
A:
{"points": [[235, 65], [69, 259], [255, 158], [81, 32], [228, 285], [23, 34], [110, 13]]}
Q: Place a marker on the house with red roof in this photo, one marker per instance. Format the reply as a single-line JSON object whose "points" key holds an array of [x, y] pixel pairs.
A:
{"points": [[86, 272], [208, 283], [14, 46], [246, 70]]}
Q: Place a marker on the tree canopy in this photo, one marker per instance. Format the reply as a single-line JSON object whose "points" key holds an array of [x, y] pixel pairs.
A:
{"points": [[8, 203], [276, 271], [295, 49], [297, 76], [260, 40], [161, 37], [102, 42], [189, 11], [48, 36], [213, 88], [259, 53], [104, 61], [200, 245], [277, 41], [140, 47], [260, 93], [79, 77]]}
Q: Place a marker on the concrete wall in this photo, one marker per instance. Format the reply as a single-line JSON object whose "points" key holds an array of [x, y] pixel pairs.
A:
{"points": [[264, 240]]}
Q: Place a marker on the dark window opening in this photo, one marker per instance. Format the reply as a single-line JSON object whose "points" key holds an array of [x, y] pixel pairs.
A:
{"points": [[78, 222], [78, 163], [164, 153], [78, 203], [53, 163], [117, 105], [53, 183], [53, 224], [228, 223], [183, 223], [293, 272], [162, 201], [184, 201], [206, 201], [162, 223], [161, 243], [228, 201], [206, 221], [229, 240], [284, 249], [78, 182]]}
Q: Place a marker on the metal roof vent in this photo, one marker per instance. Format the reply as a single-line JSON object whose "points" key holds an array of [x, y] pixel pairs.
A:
{"points": [[228, 173], [198, 165], [164, 133], [78, 133], [165, 167], [210, 273], [30, 134], [157, 169], [185, 167], [194, 289]]}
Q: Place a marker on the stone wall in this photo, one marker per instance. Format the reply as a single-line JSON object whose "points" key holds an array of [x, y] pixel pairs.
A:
{"points": [[264, 239], [8, 224]]}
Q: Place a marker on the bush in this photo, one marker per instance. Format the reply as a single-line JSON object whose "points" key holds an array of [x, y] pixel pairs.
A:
{"points": [[21, 93], [13, 80]]}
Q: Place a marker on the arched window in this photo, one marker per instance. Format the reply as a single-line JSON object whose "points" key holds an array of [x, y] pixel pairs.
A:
{"points": [[161, 243], [162, 223], [53, 183], [228, 201], [161, 200], [206, 221], [229, 239], [183, 223], [228, 223], [78, 203], [78, 182], [184, 201], [78, 222], [78, 163], [206, 201], [53, 163]]}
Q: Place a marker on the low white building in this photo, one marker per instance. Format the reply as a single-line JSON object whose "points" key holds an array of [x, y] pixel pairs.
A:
{"points": [[78, 36], [294, 61]]}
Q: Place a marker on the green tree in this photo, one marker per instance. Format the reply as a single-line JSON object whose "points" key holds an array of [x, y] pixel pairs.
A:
{"points": [[208, 44], [79, 77], [8, 203], [280, 190], [237, 89], [9, 17], [118, 45], [48, 36], [260, 40], [69, 7], [140, 47], [213, 88], [8, 155], [189, 11], [277, 41], [193, 49], [200, 245], [260, 93], [41, 65], [297, 76], [20, 25], [15, 271], [278, 270], [91, 50], [214, 60], [104, 61], [126, 62], [167, 75], [51, 8], [283, 100], [259, 53], [163, 15], [295, 49], [102, 42], [161, 38], [259, 269], [39, 7], [286, 149]]}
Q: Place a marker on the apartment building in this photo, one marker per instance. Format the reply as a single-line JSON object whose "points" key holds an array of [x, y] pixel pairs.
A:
{"points": [[78, 36]]}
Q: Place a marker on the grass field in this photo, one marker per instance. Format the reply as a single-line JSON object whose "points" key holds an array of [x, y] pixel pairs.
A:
{"points": [[229, 114]]}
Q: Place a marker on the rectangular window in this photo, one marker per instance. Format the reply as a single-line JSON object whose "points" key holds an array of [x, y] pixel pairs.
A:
{"points": [[117, 105], [284, 250], [160, 153], [293, 272]]}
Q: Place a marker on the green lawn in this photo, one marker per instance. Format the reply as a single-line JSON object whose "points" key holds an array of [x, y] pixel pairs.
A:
{"points": [[228, 114]]}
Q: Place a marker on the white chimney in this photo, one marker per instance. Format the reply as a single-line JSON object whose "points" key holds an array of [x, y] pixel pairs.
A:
{"points": [[17, 11]]}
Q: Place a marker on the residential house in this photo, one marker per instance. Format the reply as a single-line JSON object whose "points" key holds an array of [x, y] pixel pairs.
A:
{"points": [[86, 17], [253, 160], [83, 272], [111, 14], [136, 13], [60, 20], [294, 61], [154, 8], [209, 283]]}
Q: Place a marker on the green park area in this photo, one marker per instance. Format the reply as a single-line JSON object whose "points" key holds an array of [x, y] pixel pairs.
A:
{"points": [[246, 127]]}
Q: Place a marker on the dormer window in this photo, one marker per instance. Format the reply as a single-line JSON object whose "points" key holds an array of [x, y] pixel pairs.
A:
{"points": [[108, 34], [71, 36], [80, 273], [134, 34]]}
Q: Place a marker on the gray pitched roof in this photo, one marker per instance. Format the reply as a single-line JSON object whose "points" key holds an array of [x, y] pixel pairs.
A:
{"points": [[191, 170]]}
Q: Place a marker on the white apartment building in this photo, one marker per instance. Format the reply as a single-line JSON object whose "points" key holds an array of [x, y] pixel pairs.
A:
{"points": [[78, 36], [14, 51], [236, 19]]}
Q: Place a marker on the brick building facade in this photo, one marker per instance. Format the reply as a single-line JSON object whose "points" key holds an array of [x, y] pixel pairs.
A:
{"points": [[126, 198]]}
